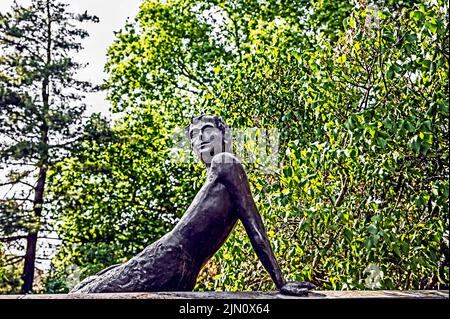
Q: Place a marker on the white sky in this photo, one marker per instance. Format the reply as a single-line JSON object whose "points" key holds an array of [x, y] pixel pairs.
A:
{"points": [[113, 15]]}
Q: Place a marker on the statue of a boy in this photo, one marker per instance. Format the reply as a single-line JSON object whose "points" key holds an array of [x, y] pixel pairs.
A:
{"points": [[173, 262]]}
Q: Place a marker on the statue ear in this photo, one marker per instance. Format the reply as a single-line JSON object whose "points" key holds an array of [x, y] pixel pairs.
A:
{"points": [[186, 131]]}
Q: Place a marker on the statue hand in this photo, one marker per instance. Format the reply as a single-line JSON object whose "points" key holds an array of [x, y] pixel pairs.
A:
{"points": [[297, 288]]}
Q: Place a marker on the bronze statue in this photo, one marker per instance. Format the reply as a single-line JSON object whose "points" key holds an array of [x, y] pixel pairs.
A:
{"points": [[173, 262]]}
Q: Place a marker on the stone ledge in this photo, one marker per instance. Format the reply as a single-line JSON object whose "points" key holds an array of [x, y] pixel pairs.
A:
{"points": [[318, 294]]}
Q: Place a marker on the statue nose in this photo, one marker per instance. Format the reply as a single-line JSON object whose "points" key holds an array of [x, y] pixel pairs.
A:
{"points": [[201, 136]]}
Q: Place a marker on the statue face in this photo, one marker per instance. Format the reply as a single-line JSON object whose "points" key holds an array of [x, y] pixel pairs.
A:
{"points": [[206, 140]]}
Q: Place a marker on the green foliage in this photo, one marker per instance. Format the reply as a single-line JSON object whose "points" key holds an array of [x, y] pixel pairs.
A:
{"points": [[359, 95], [10, 281]]}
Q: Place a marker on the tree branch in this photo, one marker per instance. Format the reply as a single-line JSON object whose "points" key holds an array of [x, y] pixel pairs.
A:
{"points": [[11, 261], [12, 238], [342, 193]]}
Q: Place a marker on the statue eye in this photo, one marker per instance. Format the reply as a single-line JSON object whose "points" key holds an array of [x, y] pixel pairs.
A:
{"points": [[208, 130]]}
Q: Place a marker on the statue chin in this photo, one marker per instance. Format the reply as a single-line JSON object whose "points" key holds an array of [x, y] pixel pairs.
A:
{"points": [[206, 155]]}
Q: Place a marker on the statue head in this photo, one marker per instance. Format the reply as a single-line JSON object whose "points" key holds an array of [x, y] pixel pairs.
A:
{"points": [[209, 135]]}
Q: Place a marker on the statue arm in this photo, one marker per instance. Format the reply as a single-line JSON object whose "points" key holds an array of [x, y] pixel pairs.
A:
{"points": [[254, 227], [252, 221], [232, 174], [229, 171]]}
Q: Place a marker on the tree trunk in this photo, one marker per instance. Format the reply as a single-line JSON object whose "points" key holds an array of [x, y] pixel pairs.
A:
{"points": [[30, 256]]}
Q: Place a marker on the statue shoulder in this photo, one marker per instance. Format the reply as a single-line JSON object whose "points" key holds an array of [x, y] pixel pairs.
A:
{"points": [[225, 165]]}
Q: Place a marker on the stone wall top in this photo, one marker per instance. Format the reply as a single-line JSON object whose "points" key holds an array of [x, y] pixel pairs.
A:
{"points": [[318, 294]]}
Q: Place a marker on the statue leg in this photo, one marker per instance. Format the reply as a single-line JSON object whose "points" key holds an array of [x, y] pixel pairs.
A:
{"points": [[160, 267]]}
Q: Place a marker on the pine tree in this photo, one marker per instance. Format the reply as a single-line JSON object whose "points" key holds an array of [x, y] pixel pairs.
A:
{"points": [[41, 113]]}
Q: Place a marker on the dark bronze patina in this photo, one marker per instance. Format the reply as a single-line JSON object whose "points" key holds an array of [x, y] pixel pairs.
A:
{"points": [[173, 262]]}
